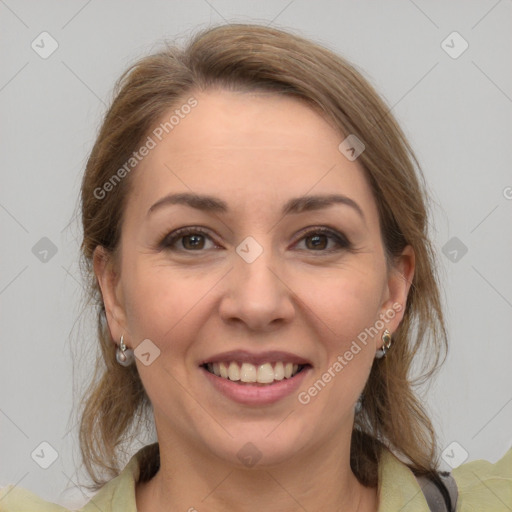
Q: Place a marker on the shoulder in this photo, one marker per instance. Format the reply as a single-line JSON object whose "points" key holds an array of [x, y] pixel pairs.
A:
{"points": [[16, 499], [481, 485], [484, 485], [118, 494]]}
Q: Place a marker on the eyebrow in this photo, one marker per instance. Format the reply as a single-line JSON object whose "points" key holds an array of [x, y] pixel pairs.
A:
{"points": [[293, 206]]}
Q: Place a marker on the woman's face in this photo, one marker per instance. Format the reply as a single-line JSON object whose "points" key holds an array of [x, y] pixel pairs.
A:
{"points": [[272, 273]]}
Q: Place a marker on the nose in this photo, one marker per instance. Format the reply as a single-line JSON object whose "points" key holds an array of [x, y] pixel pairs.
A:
{"points": [[257, 295]]}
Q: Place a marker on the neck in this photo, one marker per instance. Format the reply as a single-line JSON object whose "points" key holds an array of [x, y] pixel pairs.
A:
{"points": [[191, 480]]}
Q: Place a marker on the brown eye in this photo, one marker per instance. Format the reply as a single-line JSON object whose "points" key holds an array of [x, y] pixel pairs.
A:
{"points": [[318, 240], [321, 240], [193, 241], [188, 240]]}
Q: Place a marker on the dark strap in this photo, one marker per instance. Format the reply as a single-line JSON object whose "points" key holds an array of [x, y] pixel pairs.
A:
{"points": [[441, 495]]}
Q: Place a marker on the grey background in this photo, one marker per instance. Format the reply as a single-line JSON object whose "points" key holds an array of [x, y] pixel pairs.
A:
{"points": [[456, 113]]}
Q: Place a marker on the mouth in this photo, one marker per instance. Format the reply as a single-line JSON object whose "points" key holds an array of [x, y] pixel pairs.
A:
{"points": [[256, 379], [244, 372]]}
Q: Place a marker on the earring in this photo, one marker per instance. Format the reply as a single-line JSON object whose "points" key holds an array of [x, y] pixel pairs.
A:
{"points": [[124, 355], [386, 338]]}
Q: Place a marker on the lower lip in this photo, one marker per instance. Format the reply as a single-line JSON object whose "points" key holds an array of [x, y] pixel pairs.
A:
{"points": [[253, 394]]}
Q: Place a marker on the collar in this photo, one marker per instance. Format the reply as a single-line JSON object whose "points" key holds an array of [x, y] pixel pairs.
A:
{"points": [[398, 488]]}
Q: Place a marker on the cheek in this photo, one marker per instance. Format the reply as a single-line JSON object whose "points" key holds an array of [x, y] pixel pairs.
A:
{"points": [[346, 299], [346, 307], [166, 305], [152, 301]]}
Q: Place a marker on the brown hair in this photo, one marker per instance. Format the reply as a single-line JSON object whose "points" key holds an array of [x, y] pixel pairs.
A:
{"points": [[245, 57]]}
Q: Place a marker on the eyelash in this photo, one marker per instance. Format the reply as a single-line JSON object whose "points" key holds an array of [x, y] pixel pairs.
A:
{"points": [[171, 239]]}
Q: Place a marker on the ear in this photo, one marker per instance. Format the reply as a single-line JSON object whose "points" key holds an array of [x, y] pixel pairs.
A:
{"points": [[108, 280], [399, 283]]}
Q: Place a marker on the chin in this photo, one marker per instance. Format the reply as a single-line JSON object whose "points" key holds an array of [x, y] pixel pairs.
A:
{"points": [[257, 446]]}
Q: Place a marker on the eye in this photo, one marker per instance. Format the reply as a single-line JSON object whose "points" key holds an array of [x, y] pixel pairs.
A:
{"points": [[194, 239], [317, 240]]}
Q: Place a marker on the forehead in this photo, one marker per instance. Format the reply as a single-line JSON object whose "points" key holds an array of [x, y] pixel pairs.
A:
{"points": [[243, 145]]}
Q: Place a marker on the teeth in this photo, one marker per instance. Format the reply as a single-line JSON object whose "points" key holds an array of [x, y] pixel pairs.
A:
{"points": [[279, 371], [223, 370], [265, 373], [246, 372], [234, 371]]}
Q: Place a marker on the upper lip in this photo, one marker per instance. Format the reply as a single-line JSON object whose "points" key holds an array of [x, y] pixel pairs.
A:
{"points": [[256, 358]]}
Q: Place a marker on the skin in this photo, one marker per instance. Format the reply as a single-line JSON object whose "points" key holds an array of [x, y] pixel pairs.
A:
{"points": [[255, 151]]}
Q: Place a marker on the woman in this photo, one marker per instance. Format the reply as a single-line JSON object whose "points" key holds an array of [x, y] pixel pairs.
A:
{"points": [[255, 233]]}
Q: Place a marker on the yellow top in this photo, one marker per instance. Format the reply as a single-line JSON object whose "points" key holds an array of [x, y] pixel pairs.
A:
{"points": [[482, 487]]}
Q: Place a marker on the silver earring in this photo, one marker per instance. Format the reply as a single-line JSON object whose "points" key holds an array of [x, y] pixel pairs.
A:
{"points": [[124, 355], [386, 338]]}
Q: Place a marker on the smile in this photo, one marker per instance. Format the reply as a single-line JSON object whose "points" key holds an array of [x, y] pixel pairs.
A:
{"points": [[245, 372], [255, 379]]}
